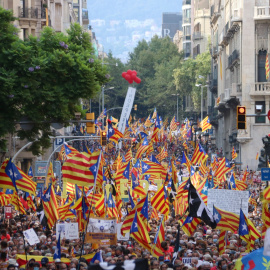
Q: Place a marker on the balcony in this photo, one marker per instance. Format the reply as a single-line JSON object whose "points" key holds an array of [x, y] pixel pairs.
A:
{"points": [[233, 59], [213, 82], [260, 89], [186, 20], [236, 15], [85, 17], [197, 36], [186, 38], [214, 51], [236, 90], [262, 13], [28, 13]]}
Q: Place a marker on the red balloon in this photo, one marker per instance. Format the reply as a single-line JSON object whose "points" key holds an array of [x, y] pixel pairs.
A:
{"points": [[130, 81], [133, 75], [129, 72], [124, 74], [137, 80], [135, 72], [127, 77]]}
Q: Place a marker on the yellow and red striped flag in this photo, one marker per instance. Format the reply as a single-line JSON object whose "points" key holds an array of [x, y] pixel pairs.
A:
{"points": [[173, 125], [267, 67], [234, 154], [76, 169], [157, 250], [50, 206], [160, 201], [205, 124], [257, 156]]}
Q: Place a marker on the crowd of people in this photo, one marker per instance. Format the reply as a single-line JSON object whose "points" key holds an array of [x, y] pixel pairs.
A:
{"points": [[199, 251]]}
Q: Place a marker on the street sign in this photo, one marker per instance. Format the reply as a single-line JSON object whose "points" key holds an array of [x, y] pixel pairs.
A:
{"points": [[57, 143], [265, 174], [268, 115]]}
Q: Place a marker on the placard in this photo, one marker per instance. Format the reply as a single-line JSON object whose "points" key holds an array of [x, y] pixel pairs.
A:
{"points": [[61, 229], [228, 200], [72, 231], [101, 231], [8, 211], [67, 230], [31, 236], [120, 237]]}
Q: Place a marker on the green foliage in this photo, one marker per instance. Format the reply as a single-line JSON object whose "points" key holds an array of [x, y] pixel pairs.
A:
{"points": [[187, 76], [42, 79]]}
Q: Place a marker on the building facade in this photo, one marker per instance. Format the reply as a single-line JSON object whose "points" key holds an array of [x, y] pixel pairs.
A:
{"points": [[171, 23], [240, 42]]}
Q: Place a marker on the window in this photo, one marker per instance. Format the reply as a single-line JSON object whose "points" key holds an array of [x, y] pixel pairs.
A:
{"points": [[261, 66], [260, 119]]}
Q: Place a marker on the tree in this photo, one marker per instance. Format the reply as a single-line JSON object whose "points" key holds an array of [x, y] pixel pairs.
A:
{"points": [[155, 62], [187, 76], [42, 79]]}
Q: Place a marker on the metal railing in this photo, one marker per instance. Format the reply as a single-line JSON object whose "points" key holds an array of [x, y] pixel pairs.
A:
{"points": [[197, 35], [30, 13], [233, 57]]}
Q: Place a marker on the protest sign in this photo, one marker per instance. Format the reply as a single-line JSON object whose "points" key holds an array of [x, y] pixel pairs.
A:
{"points": [[120, 237], [8, 211], [228, 200], [101, 231], [61, 229], [72, 231], [31, 236]]}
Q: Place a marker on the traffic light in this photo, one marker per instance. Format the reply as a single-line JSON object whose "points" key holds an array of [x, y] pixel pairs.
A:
{"points": [[262, 159], [135, 107], [90, 126], [241, 117], [103, 138]]}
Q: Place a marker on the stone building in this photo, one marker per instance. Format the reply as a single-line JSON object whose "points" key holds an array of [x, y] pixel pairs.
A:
{"points": [[240, 42]]}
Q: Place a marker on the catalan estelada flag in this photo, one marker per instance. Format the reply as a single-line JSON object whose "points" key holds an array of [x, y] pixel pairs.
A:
{"points": [[50, 206], [267, 67], [205, 124], [76, 169], [234, 154], [157, 250], [113, 134]]}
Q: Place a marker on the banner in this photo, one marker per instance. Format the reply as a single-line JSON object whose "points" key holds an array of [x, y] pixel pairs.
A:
{"points": [[228, 200], [128, 104], [120, 237], [101, 231]]}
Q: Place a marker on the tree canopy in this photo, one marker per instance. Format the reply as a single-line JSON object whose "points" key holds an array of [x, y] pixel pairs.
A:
{"points": [[42, 79]]}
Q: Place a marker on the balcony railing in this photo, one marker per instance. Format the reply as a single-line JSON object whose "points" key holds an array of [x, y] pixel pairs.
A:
{"points": [[232, 58], [261, 13], [186, 38], [197, 35], [29, 13], [260, 89], [186, 20]]}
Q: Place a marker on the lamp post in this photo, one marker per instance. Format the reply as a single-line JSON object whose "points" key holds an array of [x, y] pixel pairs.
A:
{"points": [[176, 106], [102, 92]]}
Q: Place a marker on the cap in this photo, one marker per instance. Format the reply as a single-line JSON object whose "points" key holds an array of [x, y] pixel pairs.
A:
{"points": [[57, 260], [44, 260]]}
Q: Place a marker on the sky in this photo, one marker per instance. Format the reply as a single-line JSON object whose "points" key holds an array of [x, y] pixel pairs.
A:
{"points": [[119, 24]]}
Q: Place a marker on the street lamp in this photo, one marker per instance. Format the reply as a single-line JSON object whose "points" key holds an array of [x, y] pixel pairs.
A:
{"points": [[177, 106], [202, 86], [103, 90]]}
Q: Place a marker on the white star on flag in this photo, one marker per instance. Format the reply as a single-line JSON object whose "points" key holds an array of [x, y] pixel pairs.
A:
{"points": [[244, 227], [10, 172], [216, 217], [110, 130], [47, 196]]}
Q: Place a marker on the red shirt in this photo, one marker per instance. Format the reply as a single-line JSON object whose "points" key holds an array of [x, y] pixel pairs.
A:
{"points": [[5, 237]]}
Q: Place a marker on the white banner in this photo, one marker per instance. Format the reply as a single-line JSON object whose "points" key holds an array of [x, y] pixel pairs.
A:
{"points": [[31, 236], [228, 200], [120, 237], [128, 104], [97, 225], [67, 230]]}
